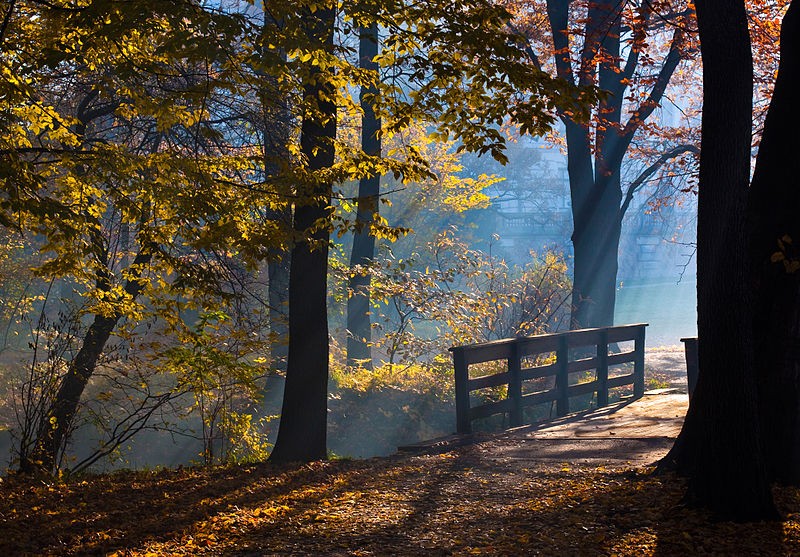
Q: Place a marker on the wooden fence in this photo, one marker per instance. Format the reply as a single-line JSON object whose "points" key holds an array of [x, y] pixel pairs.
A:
{"points": [[576, 351]]}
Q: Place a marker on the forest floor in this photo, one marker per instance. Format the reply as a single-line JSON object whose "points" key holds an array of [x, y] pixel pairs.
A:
{"points": [[557, 489], [576, 486]]}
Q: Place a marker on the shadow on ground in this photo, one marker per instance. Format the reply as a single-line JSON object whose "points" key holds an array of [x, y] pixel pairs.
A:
{"points": [[470, 500]]}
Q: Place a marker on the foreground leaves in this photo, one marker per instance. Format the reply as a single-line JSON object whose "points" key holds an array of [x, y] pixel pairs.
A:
{"points": [[463, 502]]}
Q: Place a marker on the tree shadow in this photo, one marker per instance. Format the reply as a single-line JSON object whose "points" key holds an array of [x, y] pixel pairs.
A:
{"points": [[468, 500]]}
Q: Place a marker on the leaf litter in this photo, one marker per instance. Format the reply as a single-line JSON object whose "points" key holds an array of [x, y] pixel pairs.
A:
{"points": [[457, 502]]}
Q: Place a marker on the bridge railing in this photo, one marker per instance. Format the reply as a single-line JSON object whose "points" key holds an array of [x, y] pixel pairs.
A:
{"points": [[565, 354]]}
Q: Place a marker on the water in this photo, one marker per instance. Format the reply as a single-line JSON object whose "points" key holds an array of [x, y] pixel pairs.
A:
{"points": [[669, 307]]}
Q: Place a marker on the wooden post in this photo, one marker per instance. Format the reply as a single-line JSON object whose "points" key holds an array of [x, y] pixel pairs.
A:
{"points": [[515, 386], [638, 364], [463, 423], [602, 369], [562, 376], [692, 363]]}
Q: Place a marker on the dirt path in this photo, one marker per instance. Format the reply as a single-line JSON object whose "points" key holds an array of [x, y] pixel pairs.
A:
{"points": [[629, 433], [666, 366]]}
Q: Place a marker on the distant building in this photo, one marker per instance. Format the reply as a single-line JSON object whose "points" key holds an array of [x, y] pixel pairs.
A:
{"points": [[532, 211]]}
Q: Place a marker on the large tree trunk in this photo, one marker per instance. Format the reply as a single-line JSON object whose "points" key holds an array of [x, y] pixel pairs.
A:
{"points": [[278, 268], [596, 243], [596, 204], [358, 304], [594, 166], [302, 430], [719, 447], [276, 122], [774, 206]]}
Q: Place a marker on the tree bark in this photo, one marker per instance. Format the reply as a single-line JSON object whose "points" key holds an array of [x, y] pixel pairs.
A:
{"points": [[595, 170], [275, 120], [358, 304], [278, 268], [302, 430], [774, 203], [595, 243], [719, 446], [55, 428]]}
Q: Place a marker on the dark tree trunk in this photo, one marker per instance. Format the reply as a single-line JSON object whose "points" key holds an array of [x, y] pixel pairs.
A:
{"points": [[302, 430], [596, 207], [55, 428], [594, 170], [278, 275], [719, 447], [595, 242], [276, 123], [358, 304], [774, 206]]}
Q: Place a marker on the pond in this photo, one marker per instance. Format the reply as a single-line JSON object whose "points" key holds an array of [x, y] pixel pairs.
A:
{"points": [[670, 307]]}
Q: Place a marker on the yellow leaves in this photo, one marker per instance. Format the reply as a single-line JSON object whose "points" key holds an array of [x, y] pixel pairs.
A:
{"points": [[788, 254], [270, 511]]}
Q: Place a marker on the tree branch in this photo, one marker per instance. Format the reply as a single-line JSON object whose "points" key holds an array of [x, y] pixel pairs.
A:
{"points": [[558, 14], [528, 48], [656, 94], [650, 170]]}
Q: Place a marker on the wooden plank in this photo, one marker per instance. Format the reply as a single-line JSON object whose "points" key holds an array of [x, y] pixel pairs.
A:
{"points": [[487, 352], [562, 377], [583, 337], [620, 380], [538, 372], [584, 364], [625, 332], [515, 388], [490, 409], [602, 370], [487, 381], [463, 422], [539, 344], [621, 358], [638, 365], [582, 388], [540, 397]]}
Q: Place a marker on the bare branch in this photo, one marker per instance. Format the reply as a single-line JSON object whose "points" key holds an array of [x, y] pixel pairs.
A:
{"points": [[650, 170], [647, 107], [534, 58]]}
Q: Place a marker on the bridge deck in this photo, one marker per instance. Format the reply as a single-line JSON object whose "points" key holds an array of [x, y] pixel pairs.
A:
{"points": [[634, 433]]}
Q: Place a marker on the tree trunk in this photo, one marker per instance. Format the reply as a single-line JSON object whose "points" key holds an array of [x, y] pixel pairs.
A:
{"points": [[596, 207], [358, 304], [278, 268], [719, 447], [55, 428], [594, 167], [276, 124], [774, 203], [596, 243], [302, 430]]}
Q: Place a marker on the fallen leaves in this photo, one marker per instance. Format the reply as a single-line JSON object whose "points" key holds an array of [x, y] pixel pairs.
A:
{"points": [[459, 502]]}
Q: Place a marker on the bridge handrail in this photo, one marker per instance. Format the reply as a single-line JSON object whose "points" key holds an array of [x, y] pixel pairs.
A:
{"points": [[513, 350]]}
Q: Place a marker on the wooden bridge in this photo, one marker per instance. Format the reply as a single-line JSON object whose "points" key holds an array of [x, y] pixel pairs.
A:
{"points": [[544, 369]]}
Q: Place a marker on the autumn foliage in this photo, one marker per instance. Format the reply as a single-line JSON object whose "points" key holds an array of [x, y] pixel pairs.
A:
{"points": [[468, 501]]}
